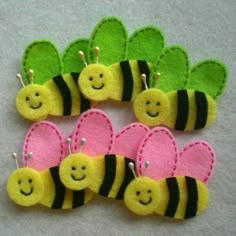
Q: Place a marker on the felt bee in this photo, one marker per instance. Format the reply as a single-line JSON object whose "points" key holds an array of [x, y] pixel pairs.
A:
{"points": [[38, 181], [171, 184], [120, 81], [109, 174], [180, 109], [60, 96]]}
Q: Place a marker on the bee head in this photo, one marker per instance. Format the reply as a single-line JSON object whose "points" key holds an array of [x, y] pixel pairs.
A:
{"points": [[76, 170], [95, 80], [151, 106], [141, 195], [33, 101]]}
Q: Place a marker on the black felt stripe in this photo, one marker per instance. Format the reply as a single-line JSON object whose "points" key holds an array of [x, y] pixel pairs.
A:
{"points": [[78, 198], [127, 81], [109, 175], [65, 93], [173, 196], [202, 110], [191, 208], [144, 69], [84, 103], [182, 110], [59, 189], [128, 177]]}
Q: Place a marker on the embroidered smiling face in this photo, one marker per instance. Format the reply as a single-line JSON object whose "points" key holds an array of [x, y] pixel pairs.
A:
{"points": [[76, 171], [142, 196], [25, 187], [34, 102], [95, 82], [151, 107]]}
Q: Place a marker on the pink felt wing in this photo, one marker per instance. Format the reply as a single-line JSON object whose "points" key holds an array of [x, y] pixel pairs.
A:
{"points": [[95, 126], [160, 149], [128, 139], [46, 143], [197, 160]]}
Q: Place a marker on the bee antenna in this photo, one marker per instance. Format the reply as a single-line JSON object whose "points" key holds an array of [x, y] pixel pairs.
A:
{"points": [[19, 77], [82, 142], [29, 156], [97, 51], [14, 156], [144, 79], [31, 76], [68, 141], [146, 165], [82, 57], [131, 166], [158, 76]]}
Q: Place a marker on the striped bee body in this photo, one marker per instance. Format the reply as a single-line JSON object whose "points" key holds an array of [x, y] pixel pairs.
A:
{"points": [[190, 110], [57, 196], [182, 197], [66, 97], [127, 79], [112, 176]]}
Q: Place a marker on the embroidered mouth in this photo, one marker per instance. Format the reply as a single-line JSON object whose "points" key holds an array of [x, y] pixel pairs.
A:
{"points": [[153, 115], [94, 87], [146, 203], [36, 107], [25, 193], [77, 179]]}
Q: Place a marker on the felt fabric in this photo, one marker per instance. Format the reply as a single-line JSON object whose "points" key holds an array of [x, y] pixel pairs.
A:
{"points": [[110, 36], [160, 149], [43, 57], [128, 139], [197, 159], [173, 67], [209, 76], [95, 126], [146, 43], [46, 143], [70, 59]]}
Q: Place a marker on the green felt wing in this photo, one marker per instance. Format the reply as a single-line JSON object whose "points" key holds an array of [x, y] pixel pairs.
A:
{"points": [[146, 44], [110, 36], [208, 76], [43, 57], [173, 66], [71, 60]]}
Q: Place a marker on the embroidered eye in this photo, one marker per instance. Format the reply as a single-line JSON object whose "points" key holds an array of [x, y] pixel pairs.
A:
{"points": [[27, 99], [101, 75], [83, 167], [73, 168], [90, 78], [30, 180], [137, 193], [148, 102], [158, 103], [149, 191], [36, 94], [19, 182]]}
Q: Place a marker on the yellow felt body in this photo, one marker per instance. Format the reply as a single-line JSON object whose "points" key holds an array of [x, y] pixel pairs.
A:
{"points": [[25, 187], [212, 110], [203, 197], [33, 102], [151, 107], [56, 96], [142, 196]]}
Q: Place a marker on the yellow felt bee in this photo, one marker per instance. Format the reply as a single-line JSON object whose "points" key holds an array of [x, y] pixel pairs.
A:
{"points": [[120, 81], [109, 174], [60, 96], [38, 181], [180, 109], [163, 188]]}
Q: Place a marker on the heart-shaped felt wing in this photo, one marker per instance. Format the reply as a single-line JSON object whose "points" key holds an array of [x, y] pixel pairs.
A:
{"points": [[197, 160], [46, 143], [160, 149], [128, 139], [95, 126]]}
